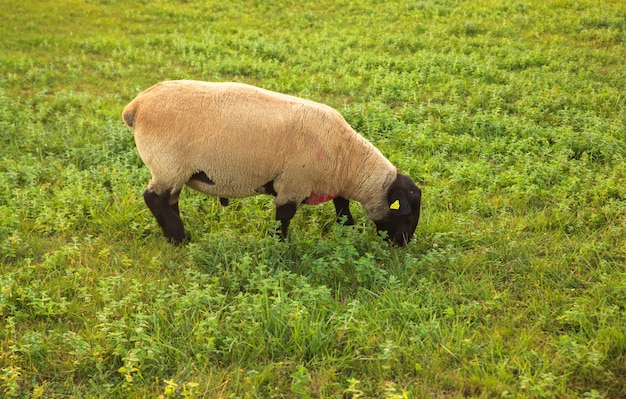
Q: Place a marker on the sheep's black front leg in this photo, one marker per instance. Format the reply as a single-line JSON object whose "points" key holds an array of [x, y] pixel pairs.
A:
{"points": [[285, 213], [342, 207], [167, 215]]}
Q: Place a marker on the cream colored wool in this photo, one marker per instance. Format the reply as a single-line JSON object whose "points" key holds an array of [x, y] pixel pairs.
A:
{"points": [[243, 137]]}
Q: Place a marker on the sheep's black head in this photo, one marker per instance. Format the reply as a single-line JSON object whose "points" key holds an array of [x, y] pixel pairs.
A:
{"points": [[404, 199]]}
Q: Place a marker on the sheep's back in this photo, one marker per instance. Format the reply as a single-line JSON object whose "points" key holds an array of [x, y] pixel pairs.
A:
{"points": [[237, 133]]}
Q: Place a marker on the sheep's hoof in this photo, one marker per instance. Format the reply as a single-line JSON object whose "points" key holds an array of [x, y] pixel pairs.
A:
{"points": [[345, 220], [178, 241], [278, 232], [223, 201]]}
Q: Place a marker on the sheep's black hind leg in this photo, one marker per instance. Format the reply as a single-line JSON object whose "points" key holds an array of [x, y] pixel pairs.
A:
{"points": [[285, 213], [167, 215], [342, 207]]}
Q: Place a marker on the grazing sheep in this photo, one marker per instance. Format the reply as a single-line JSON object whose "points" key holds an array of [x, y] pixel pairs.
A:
{"points": [[233, 140]]}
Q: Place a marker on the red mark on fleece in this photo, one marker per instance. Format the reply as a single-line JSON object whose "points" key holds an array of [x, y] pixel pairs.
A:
{"points": [[315, 199], [320, 154]]}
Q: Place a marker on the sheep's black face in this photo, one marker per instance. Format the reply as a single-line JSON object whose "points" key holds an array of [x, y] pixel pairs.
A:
{"points": [[404, 199]]}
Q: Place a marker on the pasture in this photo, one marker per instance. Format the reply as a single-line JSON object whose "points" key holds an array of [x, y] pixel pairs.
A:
{"points": [[511, 117]]}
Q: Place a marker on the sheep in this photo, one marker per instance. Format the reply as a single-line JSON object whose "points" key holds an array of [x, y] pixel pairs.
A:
{"points": [[233, 140]]}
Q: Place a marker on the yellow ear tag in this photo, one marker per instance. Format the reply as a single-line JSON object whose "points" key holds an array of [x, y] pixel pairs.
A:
{"points": [[395, 205]]}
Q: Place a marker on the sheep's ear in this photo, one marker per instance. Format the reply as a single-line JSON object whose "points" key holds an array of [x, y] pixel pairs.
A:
{"points": [[399, 203]]}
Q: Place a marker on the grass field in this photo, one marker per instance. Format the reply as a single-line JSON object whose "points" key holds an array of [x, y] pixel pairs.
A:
{"points": [[511, 116]]}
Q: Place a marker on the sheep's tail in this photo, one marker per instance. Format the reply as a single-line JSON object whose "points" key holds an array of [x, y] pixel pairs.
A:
{"points": [[129, 114]]}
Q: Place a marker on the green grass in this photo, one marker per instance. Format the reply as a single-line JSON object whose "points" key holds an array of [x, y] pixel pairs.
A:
{"points": [[511, 117]]}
